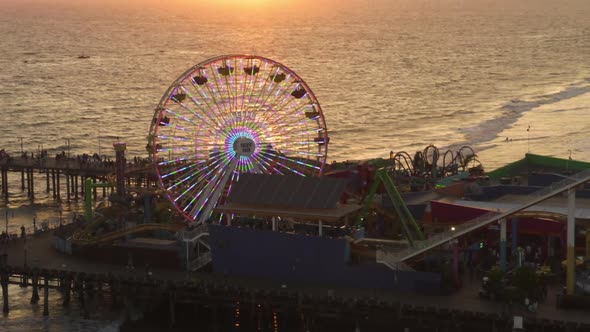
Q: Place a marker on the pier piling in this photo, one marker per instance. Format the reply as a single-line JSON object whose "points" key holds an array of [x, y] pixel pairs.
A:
{"points": [[5, 182], [4, 282], [68, 187], [32, 185], [58, 195], [53, 183], [172, 310], [76, 188], [35, 282], [46, 295]]}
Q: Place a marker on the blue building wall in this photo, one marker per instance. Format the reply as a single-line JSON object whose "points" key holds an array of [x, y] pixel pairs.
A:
{"points": [[294, 257]]}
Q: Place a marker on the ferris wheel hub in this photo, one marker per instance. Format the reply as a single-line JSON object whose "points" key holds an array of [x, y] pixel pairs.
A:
{"points": [[244, 146]]}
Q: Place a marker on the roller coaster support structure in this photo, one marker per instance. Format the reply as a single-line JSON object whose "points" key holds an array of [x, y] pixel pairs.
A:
{"points": [[88, 187], [410, 227]]}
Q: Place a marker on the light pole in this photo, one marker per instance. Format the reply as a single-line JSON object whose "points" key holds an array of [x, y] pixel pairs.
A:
{"points": [[60, 214], [528, 137], [21, 145], [99, 139], [68, 145]]}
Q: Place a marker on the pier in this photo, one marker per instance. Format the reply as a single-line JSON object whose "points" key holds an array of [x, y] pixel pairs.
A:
{"points": [[65, 176], [181, 297], [35, 264]]}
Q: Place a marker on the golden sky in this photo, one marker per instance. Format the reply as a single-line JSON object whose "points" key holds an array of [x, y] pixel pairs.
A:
{"points": [[285, 11], [188, 5]]}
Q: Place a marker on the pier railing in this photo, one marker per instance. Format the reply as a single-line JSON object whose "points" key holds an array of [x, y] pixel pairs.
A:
{"points": [[198, 233], [200, 261], [490, 217], [71, 164], [388, 258]]}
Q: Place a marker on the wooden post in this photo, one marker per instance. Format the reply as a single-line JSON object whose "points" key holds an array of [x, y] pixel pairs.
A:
{"points": [[4, 282], [72, 179], [47, 178], [5, 174], [571, 256], [35, 282], [5, 182], [68, 187], [58, 195], [32, 185], [503, 244], [215, 317], [172, 309], [46, 294], [94, 182], [53, 182], [113, 286], [76, 187], [25, 278], [26, 170], [22, 179], [67, 289]]}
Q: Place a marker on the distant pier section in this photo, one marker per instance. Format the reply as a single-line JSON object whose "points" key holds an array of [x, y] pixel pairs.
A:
{"points": [[65, 175]]}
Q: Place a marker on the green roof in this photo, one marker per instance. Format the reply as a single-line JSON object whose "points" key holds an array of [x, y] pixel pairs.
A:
{"points": [[537, 162]]}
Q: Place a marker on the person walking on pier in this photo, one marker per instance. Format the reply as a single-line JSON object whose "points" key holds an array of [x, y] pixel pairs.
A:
{"points": [[23, 232]]}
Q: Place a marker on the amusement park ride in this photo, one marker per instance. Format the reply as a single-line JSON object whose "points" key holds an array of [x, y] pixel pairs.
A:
{"points": [[231, 115], [238, 114]]}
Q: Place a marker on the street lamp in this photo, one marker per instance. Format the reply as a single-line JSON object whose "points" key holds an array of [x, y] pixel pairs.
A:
{"points": [[21, 145], [68, 145], [528, 138], [99, 139], [60, 214]]}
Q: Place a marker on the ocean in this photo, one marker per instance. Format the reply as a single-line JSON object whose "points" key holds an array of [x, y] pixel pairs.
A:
{"points": [[504, 77]]}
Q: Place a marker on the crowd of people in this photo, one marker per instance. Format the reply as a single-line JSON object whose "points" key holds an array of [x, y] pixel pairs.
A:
{"points": [[82, 160]]}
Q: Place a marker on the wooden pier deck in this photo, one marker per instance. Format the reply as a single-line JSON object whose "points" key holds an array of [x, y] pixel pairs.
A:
{"points": [[70, 172], [459, 309]]}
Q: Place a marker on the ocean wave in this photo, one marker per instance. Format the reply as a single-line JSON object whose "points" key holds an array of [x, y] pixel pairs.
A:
{"points": [[489, 129]]}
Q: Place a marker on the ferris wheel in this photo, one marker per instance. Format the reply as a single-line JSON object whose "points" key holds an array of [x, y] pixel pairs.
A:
{"points": [[230, 115]]}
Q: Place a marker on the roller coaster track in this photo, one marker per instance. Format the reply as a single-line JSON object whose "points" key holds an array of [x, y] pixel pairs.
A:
{"points": [[112, 236], [420, 247], [410, 228]]}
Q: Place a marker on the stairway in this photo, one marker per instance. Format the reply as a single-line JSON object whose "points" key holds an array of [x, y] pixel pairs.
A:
{"points": [[420, 247], [197, 236], [388, 258], [200, 261]]}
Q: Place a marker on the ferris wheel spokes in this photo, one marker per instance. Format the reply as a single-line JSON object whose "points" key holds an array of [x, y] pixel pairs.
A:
{"points": [[209, 198], [231, 115]]}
